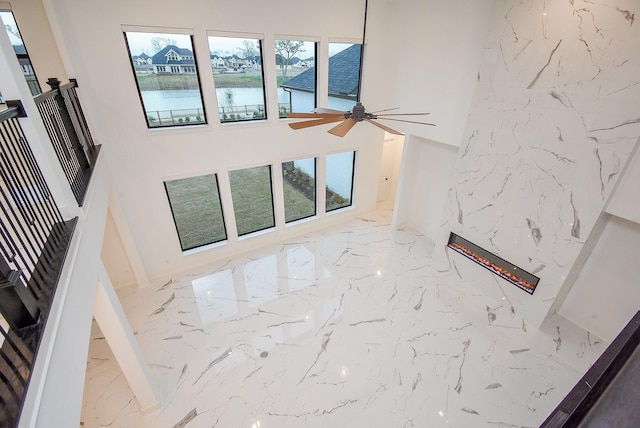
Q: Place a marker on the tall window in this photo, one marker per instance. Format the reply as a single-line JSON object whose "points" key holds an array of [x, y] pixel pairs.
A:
{"points": [[344, 75], [238, 76], [299, 181], [340, 168], [21, 51], [197, 211], [252, 195], [166, 74], [296, 73]]}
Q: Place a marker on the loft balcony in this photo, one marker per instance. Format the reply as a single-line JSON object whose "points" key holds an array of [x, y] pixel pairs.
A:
{"points": [[34, 237]]}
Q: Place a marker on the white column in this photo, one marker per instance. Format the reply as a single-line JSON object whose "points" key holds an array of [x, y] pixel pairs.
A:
{"points": [[116, 329], [128, 242]]}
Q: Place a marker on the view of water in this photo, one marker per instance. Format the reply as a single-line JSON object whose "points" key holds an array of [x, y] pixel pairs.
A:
{"points": [[190, 98]]}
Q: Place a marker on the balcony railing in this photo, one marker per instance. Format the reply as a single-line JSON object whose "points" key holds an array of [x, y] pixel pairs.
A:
{"points": [[33, 242], [67, 128]]}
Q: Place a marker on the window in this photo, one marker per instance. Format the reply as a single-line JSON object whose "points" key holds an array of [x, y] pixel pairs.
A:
{"points": [[299, 181], [197, 211], [340, 168], [237, 74], [6, 16], [252, 199], [344, 75], [296, 73], [168, 99]]}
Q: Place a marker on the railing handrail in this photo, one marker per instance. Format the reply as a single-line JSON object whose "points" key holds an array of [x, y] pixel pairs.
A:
{"points": [[8, 113]]}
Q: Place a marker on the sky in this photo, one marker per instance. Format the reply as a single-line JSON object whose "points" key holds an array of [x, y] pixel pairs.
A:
{"points": [[7, 19], [141, 42]]}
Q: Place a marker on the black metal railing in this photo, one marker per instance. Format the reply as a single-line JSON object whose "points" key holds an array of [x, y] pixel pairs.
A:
{"points": [[33, 243], [67, 128]]}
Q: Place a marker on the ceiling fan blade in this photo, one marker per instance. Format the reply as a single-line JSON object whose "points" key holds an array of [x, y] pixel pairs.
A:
{"points": [[403, 114], [387, 109], [408, 121], [328, 110], [310, 123], [386, 128], [341, 129], [313, 115]]}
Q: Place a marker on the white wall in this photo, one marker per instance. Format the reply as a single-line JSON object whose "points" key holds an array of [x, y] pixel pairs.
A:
{"points": [[114, 256], [430, 63], [144, 158], [606, 294], [36, 34], [426, 174]]}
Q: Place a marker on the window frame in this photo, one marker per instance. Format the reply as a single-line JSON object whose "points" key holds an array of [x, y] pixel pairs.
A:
{"points": [[160, 31], [233, 203], [316, 50], [25, 55], [173, 214], [353, 181], [244, 36], [333, 41], [315, 185]]}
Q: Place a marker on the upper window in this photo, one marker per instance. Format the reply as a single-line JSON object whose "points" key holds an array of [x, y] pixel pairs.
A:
{"points": [[344, 75], [237, 74], [251, 191], [339, 191], [166, 74], [296, 72], [197, 211], [299, 181], [21, 51]]}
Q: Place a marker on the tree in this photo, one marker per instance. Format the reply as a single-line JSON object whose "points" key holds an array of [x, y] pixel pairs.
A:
{"points": [[285, 50], [159, 43], [248, 49], [13, 31]]}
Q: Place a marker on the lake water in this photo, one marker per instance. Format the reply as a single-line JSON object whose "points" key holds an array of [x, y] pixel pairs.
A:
{"points": [[189, 99], [339, 165]]}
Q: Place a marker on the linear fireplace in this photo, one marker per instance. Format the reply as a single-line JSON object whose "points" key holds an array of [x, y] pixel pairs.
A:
{"points": [[512, 273]]}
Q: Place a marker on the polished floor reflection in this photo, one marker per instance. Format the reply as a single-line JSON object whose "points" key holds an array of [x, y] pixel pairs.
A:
{"points": [[350, 327]]}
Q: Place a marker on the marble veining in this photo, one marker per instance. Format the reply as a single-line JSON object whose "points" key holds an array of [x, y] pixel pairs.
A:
{"points": [[553, 122], [355, 326]]}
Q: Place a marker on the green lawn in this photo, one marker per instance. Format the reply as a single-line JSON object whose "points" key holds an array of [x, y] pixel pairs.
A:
{"points": [[296, 204], [252, 199], [198, 214], [196, 209]]}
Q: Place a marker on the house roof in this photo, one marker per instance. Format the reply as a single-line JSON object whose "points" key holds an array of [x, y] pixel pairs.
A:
{"points": [[343, 74], [161, 57]]}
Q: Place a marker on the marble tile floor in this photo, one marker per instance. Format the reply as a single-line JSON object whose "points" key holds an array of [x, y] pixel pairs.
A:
{"points": [[349, 327]]}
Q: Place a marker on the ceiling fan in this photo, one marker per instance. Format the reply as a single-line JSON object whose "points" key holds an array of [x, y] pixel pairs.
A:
{"points": [[348, 119]]}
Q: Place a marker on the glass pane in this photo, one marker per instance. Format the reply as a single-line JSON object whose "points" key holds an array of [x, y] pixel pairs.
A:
{"points": [[296, 73], [252, 199], [197, 211], [237, 73], [167, 78], [20, 50], [344, 75], [339, 180], [299, 181]]}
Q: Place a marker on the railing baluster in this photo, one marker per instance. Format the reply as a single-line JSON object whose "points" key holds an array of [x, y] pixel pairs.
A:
{"points": [[33, 241], [69, 133]]}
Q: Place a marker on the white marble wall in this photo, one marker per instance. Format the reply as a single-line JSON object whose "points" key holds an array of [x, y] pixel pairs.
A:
{"points": [[555, 116]]}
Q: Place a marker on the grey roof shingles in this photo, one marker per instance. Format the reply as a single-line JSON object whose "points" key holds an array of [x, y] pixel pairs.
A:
{"points": [[343, 74], [161, 58]]}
